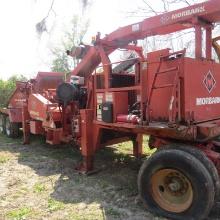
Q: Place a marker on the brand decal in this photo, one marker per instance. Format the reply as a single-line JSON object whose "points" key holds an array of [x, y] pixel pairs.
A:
{"points": [[208, 101], [34, 113], [135, 27], [20, 100], [188, 12], [209, 81], [165, 18]]}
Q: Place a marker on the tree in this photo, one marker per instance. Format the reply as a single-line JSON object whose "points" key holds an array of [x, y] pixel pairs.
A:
{"points": [[8, 87], [73, 37], [61, 62]]}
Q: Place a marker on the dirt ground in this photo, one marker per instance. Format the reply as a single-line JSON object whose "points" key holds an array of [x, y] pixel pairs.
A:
{"points": [[38, 181]]}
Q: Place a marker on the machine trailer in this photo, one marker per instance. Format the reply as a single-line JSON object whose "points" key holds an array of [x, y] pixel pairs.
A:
{"points": [[172, 98]]}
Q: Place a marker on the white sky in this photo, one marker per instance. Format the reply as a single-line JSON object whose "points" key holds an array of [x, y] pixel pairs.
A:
{"points": [[21, 51]]}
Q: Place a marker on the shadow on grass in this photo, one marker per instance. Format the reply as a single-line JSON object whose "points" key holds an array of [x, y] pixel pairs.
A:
{"points": [[114, 188]]}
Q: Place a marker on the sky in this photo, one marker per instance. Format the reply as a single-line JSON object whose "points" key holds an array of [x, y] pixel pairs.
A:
{"points": [[21, 49]]}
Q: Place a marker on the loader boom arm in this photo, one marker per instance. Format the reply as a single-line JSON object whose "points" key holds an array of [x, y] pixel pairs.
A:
{"points": [[203, 14]]}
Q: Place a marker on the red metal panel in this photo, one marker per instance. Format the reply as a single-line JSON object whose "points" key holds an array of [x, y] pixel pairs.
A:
{"points": [[161, 98], [120, 103], [200, 96], [47, 80], [15, 114], [17, 98], [39, 108], [54, 136], [36, 127], [201, 89]]}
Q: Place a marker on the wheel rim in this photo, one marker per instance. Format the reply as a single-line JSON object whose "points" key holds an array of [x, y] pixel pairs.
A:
{"points": [[7, 127], [172, 190]]}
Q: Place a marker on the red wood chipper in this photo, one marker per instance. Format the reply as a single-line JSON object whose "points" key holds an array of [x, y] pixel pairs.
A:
{"points": [[173, 99]]}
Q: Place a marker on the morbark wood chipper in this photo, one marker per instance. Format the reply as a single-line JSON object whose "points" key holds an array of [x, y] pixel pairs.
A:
{"points": [[173, 99]]}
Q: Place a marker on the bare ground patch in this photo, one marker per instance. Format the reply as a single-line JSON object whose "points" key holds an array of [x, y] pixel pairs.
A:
{"points": [[38, 181]]}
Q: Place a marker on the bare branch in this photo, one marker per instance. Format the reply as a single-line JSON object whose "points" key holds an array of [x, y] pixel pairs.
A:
{"points": [[150, 7], [41, 26]]}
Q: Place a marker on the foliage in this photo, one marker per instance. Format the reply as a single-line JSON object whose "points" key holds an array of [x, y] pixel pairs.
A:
{"points": [[39, 188], [73, 37], [8, 87], [54, 205], [3, 159], [19, 214]]}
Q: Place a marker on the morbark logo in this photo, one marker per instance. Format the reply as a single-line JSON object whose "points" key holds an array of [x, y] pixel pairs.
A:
{"points": [[193, 11], [209, 81], [188, 12], [164, 19]]}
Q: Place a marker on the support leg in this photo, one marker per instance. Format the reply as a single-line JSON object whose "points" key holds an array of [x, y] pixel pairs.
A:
{"points": [[25, 124], [198, 42], [138, 146], [87, 148]]}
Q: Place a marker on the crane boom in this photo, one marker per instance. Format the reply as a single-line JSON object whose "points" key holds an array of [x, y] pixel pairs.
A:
{"points": [[205, 13], [167, 23]]}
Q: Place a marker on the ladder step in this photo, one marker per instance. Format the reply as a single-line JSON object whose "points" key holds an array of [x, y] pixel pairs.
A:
{"points": [[168, 70], [163, 86]]}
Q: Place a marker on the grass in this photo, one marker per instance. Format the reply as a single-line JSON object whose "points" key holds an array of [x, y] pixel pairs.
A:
{"points": [[8, 140], [122, 153], [4, 158], [39, 188], [126, 147], [54, 205], [77, 216], [89, 216], [19, 214], [113, 212], [58, 201], [92, 212]]}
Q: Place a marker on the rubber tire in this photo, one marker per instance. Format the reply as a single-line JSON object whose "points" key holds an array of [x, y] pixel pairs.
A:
{"points": [[12, 128], [2, 121], [201, 180], [208, 164]]}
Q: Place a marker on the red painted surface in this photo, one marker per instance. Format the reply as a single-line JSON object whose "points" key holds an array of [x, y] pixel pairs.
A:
{"points": [[127, 119], [178, 97], [36, 127], [15, 114]]}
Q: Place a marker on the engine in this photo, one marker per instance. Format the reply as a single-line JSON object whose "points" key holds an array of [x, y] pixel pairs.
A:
{"points": [[73, 91]]}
